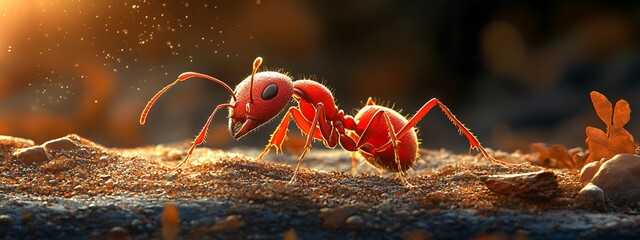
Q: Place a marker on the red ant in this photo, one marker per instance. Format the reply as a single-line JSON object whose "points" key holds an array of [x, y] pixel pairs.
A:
{"points": [[383, 137]]}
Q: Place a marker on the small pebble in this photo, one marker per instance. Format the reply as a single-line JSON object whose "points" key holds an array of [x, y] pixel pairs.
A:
{"points": [[589, 170], [619, 178], [77, 188], [27, 217], [541, 184], [118, 233], [591, 197], [60, 144], [334, 218], [104, 176], [402, 215], [174, 154], [111, 207], [31, 155], [171, 176], [104, 159], [96, 235], [136, 222], [109, 183], [230, 224], [354, 222], [15, 142], [5, 219]]}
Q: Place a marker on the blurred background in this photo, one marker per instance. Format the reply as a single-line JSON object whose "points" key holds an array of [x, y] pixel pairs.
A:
{"points": [[514, 72]]}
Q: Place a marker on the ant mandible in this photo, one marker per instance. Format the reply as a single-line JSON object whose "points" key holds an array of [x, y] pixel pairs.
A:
{"points": [[383, 137]]}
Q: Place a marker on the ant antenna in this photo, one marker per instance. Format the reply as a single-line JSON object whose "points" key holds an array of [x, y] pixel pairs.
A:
{"points": [[182, 77], [256, 65]]}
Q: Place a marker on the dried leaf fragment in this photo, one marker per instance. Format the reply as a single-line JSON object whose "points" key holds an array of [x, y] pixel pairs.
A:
{"points": [[557, 156], [552, 155], [621, 113], [616, 139], [290, 235], [603, 106], [170, 221]]}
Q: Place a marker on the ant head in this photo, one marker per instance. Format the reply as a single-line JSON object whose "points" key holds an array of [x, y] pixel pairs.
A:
{"points": [[259, 98]]}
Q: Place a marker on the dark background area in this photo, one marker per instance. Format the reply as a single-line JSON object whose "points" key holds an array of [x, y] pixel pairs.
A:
{"points": [[514, 72]]}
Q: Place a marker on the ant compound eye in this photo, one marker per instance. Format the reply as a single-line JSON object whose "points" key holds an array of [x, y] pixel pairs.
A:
{"points": [[270, 92]]}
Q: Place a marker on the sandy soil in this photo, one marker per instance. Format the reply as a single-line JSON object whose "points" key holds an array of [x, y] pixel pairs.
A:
{"points": [[97, 192]]}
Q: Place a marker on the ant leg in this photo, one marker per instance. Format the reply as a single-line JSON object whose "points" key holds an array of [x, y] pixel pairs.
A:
{"points": [[369, 130], [354, 162], [304, 125], [464, 130], [307, 146], [280, 134], [200, 138], [394, 142], [329, 133], [348, 143]]}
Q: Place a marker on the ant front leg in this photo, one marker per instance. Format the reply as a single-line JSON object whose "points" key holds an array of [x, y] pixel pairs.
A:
{"points": [[307, 146], [280, 134], [464, 130], [200, 138], [309, 128]]}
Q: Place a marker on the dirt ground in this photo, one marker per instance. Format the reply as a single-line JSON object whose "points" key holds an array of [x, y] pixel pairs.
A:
{"points": [[103, 193]]}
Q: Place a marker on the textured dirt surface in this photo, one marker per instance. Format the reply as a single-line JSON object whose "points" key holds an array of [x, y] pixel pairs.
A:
{"points": [[97, 192]]}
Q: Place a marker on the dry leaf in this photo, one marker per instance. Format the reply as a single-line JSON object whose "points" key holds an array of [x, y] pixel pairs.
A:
{"points": [[170, 221], [616, 139], [557, 156], [290, 235], [603, 107], [621, 113], [552, 155]]}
